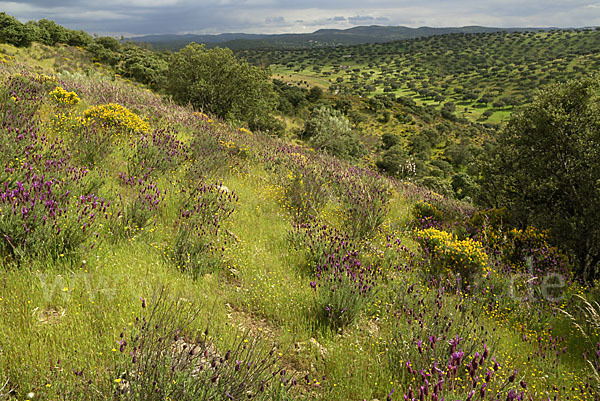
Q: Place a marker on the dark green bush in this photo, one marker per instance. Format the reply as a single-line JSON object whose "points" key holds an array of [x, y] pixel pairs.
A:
{"points": [[217, 82], [395, 161], [390, 139]]}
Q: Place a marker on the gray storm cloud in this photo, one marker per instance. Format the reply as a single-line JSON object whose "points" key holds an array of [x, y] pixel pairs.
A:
{"points": [[137, 17]]}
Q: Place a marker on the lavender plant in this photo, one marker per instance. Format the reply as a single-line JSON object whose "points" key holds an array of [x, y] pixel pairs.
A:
{"points": [[343, 285], [155, 153], [441, 348], [426, 215], [341, 296], [45, 206], [137, 213], [89, 141], [199, 235], [22, 95], [364, 201], [165, 355], [305, 190], [214, 150]]}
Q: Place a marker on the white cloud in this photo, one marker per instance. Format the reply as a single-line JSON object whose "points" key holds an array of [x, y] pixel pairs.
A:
{"points": [[150, 3]]}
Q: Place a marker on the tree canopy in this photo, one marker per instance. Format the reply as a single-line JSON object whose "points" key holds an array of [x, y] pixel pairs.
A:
{"points": [[215, 81], [546, 169], [14, 32]]}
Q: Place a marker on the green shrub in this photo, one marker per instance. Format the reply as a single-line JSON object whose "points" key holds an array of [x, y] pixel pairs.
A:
{"points": [[463, 186], [390, 139], [545, 169], [489, 218], [315, 93], [144, 66], [14, 32], [395, 161], [438, 185], [328, 130]]}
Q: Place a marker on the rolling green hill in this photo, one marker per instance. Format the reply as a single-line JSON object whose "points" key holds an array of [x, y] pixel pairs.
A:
{"points": [[320, 38], [477, 72]]}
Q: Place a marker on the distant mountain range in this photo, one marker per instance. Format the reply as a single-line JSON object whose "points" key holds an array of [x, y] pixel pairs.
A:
{"points": [[321, 38]]}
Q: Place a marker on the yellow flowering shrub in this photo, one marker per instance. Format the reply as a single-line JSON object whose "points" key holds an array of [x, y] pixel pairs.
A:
{"points": [[35, 77], [450, 254], [239, 150], [203, 116], [531, 237], [432, 237], [45, 79], [117, 116], [63, 97]]}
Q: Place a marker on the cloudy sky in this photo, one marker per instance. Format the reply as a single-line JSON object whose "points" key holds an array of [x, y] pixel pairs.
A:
{"points": [[137, 17]]}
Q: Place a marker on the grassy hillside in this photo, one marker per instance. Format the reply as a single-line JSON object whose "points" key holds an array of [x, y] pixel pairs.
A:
{"points": [[149, 251]]}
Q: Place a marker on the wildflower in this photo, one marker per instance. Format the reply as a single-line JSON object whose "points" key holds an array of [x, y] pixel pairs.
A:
{"points": [[117, 116], [62, 97]]}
